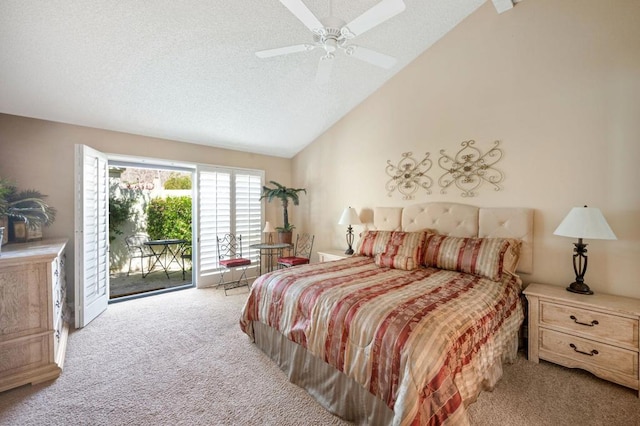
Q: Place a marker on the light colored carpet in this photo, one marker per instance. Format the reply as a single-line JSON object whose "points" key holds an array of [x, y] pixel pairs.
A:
{"points": [[180, 359]]}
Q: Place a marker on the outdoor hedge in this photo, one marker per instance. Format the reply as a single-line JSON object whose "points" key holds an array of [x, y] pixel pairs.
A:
{"points": [[169, 218]]}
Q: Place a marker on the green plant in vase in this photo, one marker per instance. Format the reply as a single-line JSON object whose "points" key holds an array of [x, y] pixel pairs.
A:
{"points": [[26, 210], [285, 195], [5, 190], [29, 206]]}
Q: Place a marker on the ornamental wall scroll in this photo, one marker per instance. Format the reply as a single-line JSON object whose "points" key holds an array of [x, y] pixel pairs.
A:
{"points": [[470, 168], [409, 175], [467, 170]]}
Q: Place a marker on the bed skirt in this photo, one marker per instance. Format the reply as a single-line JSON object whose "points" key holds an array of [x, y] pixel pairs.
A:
{"points": [[336, 392]]}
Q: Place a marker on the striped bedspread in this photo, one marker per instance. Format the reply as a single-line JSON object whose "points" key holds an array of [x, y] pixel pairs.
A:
{"points": [[425, 341]]}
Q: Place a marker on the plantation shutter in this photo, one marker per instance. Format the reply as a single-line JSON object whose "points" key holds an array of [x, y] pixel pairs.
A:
{"points": [[228, 203], [214, 218], [248, 213], [91, 235]]}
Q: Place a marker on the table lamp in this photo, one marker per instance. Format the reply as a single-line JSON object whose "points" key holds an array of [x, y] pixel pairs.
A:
{"points": [[268, 229], [583, 222], [349, 217]]}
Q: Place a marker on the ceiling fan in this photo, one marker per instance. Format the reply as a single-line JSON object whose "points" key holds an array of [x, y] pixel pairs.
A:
{"points": [[332, 34]]}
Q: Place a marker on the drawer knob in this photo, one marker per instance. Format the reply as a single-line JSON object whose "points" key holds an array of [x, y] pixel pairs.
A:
{"points": [[592, 353], [594, 322]]}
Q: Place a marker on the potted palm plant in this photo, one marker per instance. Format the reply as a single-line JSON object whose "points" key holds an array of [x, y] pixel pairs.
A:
{"points": [[26, 211], [285, 195], [5, 189]]}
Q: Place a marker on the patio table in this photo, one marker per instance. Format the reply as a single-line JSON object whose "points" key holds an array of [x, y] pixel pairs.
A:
{"points": [[166, 252], [269, 251]]}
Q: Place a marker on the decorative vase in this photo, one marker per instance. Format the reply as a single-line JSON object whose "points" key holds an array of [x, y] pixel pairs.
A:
{"points": [[21, 232], [285, 237]]}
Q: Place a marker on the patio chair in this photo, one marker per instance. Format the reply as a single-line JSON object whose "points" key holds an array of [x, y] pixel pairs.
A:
{"points": [[301, 252], [230, 257], [186, 255], [138, 250]]}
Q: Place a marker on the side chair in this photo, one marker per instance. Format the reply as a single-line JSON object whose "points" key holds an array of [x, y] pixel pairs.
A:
{"points": [[301, 253], [138, 250], [230, 259]]}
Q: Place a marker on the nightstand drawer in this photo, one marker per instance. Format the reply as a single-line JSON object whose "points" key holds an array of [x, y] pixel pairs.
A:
{"points": [[585, 353], [591, 324], [598, 333]]}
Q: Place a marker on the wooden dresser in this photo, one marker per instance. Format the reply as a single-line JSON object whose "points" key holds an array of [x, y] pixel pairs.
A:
{"points": [[33, 326], [598, 333]]}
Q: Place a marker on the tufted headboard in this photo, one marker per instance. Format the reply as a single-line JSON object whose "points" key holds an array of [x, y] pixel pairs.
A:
{"points": [[462, 220]]}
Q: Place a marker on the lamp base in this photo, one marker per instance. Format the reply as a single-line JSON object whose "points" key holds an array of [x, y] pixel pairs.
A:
{"points": [[580, 268], [349, 241], [580, 288]]}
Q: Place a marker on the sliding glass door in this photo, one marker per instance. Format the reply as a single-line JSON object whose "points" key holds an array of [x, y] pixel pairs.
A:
{"points": [[226, 200]]}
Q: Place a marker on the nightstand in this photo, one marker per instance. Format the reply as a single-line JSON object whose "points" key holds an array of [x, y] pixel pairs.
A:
{"points": [[330, 255], [598, 333]]}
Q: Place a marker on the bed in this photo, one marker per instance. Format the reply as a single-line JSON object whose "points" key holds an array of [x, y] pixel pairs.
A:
{"points": [[411, 328]]}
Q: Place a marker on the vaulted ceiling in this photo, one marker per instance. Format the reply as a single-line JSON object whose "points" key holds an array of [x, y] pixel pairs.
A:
{"points": [[188, 70]]}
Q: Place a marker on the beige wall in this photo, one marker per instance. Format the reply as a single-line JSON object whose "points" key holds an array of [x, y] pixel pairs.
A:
{"points": [[556, 81], [40, 155]]}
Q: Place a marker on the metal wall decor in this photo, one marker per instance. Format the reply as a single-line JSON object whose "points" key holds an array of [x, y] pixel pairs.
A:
{"points": [[469, 168], [409, 175]]}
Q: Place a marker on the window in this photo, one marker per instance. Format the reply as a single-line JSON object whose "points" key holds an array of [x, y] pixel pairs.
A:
{"points": [[229, 202]]}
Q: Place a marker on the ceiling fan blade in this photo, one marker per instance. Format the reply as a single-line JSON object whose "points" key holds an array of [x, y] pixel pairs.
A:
{"points": [[379, 13], [372, 57], [284, 50], [302, 12], [324, 69]]}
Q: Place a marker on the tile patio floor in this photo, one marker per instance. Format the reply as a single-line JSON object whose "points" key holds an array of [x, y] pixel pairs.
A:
{"points": [[122, 285]]}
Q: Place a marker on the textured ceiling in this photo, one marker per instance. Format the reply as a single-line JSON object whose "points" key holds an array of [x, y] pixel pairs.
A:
{"points": [[186, 70]]}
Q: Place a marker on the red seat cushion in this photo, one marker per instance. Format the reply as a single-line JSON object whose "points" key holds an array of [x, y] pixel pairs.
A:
{"points": [[231, 263], [293, 261]]}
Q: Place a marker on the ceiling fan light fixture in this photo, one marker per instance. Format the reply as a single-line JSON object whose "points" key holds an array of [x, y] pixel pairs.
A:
{"points": [[330, 45], [332, 33]]}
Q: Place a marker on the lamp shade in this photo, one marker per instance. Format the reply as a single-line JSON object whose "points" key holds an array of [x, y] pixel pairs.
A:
{"points": [[585, 222], [268, 227], [349, 217]]}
